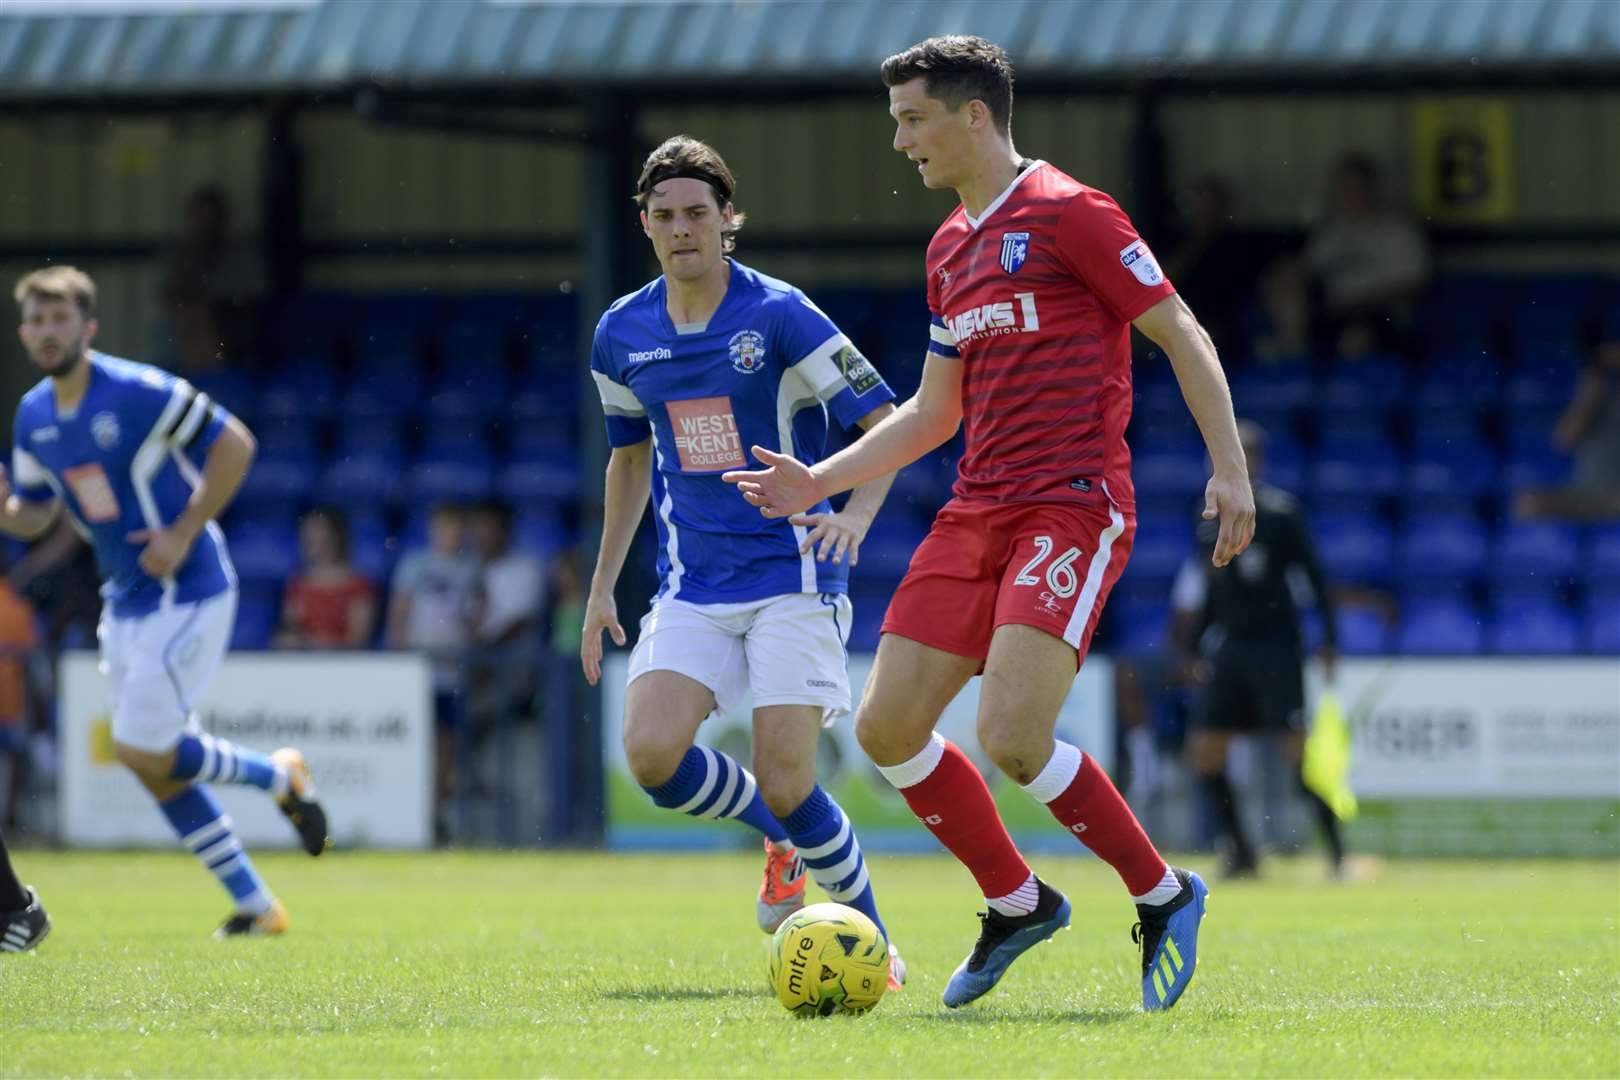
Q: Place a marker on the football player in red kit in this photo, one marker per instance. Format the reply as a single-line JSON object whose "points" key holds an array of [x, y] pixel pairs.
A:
{"points": [[1034, 283]]}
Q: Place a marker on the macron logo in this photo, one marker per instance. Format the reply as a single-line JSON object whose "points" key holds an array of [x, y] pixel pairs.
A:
{"points": [[651, 354], [46, 434]]}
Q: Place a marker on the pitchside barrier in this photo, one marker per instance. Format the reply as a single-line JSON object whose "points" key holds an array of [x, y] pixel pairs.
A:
{"points": [[364, 720], [1464, 756]]}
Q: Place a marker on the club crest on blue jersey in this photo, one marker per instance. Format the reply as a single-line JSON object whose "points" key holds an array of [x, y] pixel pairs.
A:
{"points": [[1014, 249], [104, 429], [747, 351]]}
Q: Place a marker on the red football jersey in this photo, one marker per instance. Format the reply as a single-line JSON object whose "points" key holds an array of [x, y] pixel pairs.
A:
{"points": [[1037, 298]]}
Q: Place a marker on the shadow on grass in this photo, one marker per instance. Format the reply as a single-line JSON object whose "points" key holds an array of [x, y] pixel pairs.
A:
{"points": [[1034, 1015], [685, 993]]}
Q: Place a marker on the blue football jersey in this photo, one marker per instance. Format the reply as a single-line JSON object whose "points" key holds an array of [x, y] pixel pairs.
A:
{"points": [[127, 458], [764, 370]]}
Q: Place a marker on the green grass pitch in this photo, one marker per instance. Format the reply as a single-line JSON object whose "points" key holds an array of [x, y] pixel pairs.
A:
{"points": [[621, 965]]}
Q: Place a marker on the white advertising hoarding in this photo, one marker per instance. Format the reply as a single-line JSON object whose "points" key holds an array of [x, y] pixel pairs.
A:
{"points": [[1498, 727], [364, 721]]}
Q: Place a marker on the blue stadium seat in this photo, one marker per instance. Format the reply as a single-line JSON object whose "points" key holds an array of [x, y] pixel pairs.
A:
{"points": [[290, 437], [234, 389], [258, 613], [285, 476], [539, 533], [1441, 628], [1370, 382], [382, 436], [1370, 472], [1467, 377], [1445, 546], [1602, 557], [1286, 463], [867, 622], [264, 551], [1354, 547], [1135, 624], [1526, 468], [1541, 384], [532, 477], [469, 392], [1600, 629], [1535, 550], [1533, 627], [1460, 470], [1161, 546], [362, 479], [1169, 472], [460, 478], [887, 550], [458, 438], [1351, 431], [473, 346], [1272, 388], [1445, 429], [372, 551], [1362, 631], [306, 389]]}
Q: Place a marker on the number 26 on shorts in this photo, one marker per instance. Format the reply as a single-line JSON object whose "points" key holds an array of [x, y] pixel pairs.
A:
{"points": [[1060, 575]]}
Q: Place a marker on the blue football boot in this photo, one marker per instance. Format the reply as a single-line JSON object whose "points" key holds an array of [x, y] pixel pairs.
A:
{"points": [[1168, 934], [1003, 939]]}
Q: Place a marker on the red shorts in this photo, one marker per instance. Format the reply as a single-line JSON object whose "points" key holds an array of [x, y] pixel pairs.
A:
{"points": [[984, 565]]}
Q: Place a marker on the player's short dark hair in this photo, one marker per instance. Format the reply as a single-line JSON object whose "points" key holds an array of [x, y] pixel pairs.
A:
{"points": [[61, 282], [497, 510], [683, 156], [956, 69]]}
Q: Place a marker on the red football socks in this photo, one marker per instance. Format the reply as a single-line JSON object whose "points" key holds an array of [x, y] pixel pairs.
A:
{"points": [[949, 796], [1091, 807]]}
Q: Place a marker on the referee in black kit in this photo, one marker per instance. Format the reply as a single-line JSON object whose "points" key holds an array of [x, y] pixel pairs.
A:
{"points": [[1238, 629]]}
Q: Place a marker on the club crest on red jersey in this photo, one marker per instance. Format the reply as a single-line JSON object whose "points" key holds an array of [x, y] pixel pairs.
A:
{"points": [[1014, 249]]}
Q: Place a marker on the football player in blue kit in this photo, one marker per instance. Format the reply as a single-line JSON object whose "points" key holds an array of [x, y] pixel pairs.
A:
{"points": [[706, 360], [143, 462]]}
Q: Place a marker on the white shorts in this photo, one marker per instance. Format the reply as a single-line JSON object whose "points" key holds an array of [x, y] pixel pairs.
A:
{"points": [[157, 666], [784, 650]]}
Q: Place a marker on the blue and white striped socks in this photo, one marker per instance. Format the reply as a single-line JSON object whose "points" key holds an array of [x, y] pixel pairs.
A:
{"points": [[827, 843], [205, 831], [709, 784], [208, 759]]}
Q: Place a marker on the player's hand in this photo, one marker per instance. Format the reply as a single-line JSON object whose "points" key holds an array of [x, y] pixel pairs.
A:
{"points": [[5, 487], [787, 487], [833, 534], [165, 549], [601, 613], [1231, 499]]}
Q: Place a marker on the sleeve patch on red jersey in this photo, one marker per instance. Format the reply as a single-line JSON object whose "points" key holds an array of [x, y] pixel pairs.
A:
{"points": [[1136, 258]]}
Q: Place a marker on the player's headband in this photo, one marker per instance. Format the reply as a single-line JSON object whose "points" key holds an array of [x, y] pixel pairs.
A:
{"points": [[689, 174]]}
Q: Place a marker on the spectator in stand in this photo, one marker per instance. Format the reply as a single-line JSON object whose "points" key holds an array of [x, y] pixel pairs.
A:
{"points": [[1213, 268], [1371, 263], [435, 608], [514, 581], [328, 604], [1589, 428], [212, 285]]}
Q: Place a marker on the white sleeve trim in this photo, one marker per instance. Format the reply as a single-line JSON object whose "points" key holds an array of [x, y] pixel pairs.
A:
{"points": [[818, 370], [27, 470], [617, 398], [941, 333]]}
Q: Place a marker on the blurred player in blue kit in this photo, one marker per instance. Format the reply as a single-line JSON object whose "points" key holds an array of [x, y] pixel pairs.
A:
{"points": [[143, 463], [706, 360]]}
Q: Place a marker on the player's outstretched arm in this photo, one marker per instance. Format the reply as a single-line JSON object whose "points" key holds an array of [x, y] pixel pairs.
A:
{"points": [[223, 471], [837, 536], [1171, 326], [626, 490], [22, 518], [925, 421]]}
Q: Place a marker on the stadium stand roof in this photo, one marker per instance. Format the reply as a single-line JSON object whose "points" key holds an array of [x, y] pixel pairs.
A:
{"points": [[121, 48]]}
